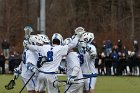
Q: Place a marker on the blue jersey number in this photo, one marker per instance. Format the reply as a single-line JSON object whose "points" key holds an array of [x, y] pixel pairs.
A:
{"points": [[81, 57], [49, 56]]}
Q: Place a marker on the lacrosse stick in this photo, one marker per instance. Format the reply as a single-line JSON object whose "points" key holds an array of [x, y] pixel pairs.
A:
{"points": [[28, 30], [72, 83], [11, 84], [64, 82], [59, 83], [27, 82]]}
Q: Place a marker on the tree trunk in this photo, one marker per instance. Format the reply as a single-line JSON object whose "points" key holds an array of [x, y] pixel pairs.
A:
{"points": [[113, 18], [132, 20]]}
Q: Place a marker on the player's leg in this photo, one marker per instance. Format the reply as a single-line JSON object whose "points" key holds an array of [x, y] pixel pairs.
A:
{"points": [[40, 84], [31, 85], [80, 90], [50, 79], [90, 85], [74, 88], [31, 91]]}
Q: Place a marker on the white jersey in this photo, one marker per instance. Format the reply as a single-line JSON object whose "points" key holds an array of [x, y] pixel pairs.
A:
{"points": [[53, 54], [28, 56], [72, 62], [87, 63]]}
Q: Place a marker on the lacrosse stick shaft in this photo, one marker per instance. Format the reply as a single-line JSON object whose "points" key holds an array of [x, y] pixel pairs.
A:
{"points": [[77, 79], [86, 78], [15, 78], [74, 80], [81, 78], [27, 82], [67, 88]]}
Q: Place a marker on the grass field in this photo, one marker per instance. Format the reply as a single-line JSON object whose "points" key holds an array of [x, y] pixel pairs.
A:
{"points": [[104, 84]]}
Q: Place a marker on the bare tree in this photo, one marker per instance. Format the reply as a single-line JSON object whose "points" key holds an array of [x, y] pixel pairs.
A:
{"points": [[113, 18], [132, 19]]}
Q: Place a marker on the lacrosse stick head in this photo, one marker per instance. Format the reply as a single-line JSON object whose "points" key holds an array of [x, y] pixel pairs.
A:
{"points": [[58, 83], [10, 85], [27, 30]]}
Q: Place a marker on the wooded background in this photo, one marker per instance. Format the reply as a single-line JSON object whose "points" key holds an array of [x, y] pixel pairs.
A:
{"points": [[108, 19]]}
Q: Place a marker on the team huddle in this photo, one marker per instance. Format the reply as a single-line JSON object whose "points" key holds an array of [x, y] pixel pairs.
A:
{"points": [[42, 58]]}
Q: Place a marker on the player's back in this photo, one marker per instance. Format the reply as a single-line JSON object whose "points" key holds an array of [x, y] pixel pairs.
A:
{"points": [[73, 62], [53, 56]]}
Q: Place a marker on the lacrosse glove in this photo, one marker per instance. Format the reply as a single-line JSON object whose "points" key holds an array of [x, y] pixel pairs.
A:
{"points": [[17, 72], [71, 80], [78, 32]]}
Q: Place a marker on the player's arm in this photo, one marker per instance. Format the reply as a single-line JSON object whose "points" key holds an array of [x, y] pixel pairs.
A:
{"points": [[73, 43], [31, 62], [27, 45], [34, 48], [32, 67], [75, 38], [17, 71]]}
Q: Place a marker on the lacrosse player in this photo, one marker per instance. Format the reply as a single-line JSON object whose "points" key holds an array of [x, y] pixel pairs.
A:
{"points": [[53, 55], [73, 71], [28, 30], [46, 41], [29, 63], [87, 56]]}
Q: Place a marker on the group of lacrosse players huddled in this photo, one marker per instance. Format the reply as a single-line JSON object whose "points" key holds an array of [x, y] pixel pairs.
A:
{"points": [[42, 58]]}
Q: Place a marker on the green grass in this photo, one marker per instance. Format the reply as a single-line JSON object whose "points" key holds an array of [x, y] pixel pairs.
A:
{"points": [[104, 84]]}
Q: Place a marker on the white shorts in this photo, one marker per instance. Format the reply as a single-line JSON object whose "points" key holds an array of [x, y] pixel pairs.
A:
{"points": [[90, 83], [46, 80], [31, 84], [74, 88]]}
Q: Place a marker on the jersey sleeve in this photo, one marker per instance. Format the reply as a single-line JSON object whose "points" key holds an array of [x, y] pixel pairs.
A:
{"points": [[73, 43], [64, 50], [34, 48]]}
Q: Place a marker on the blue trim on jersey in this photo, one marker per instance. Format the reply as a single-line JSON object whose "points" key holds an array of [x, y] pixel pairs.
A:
{"points": [[90, 83], [47, 72], [28, 66], [33, 82], [90, 75]]}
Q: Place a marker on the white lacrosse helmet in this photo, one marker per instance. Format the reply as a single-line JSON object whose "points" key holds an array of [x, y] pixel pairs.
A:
{"points": [[67, 41], [87, 37], [57, 36], [44, 38], [35, 40]]}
